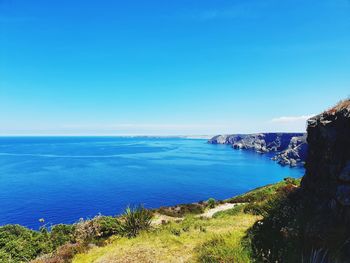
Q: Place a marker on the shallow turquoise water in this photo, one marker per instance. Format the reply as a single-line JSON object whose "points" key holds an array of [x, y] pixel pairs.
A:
{"points": [[62, 179]]}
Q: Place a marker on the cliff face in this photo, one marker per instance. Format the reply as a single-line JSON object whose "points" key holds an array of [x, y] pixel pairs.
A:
{"points": [[326, 184], [291, 147], [295, 153], [328, 164]]}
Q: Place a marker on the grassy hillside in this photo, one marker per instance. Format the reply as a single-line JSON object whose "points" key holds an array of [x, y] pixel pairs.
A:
{"points": [[223, 238], [193, 239]]}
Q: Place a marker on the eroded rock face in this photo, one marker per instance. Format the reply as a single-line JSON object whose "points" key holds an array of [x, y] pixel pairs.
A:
{"points": [[328, 165], [295, 154], [326, 183], [291, 148]]}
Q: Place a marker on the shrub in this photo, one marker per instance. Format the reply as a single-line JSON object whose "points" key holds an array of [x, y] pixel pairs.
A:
{"points": [[211, 202], [61, 234], [134, 220], [277, 237], [108, 226], [96, 229], [182, 210], [255, 208], [86, 231], [19, 244], [63, 254]]}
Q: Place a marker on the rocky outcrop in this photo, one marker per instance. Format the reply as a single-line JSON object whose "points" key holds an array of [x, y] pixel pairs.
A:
{"points": [[291, 148], [326, 184], [295, 153], [328, 164]]}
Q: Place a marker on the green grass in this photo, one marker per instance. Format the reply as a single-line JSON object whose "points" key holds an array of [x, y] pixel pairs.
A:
{"points": [[223, 248], [219, 239], [263, 193], [230, 212], [186, 241]]}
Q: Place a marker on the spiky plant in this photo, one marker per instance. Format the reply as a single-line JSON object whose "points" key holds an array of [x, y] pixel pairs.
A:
{"points": [[317, 256], [135, 219]]}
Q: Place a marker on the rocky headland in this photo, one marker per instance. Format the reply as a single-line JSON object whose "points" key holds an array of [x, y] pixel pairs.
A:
{"points": [[326, 183], [289, 148], [311, 223]]}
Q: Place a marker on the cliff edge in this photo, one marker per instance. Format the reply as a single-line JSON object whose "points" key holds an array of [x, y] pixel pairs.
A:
{"points": [[327, 174], [326, 183]]}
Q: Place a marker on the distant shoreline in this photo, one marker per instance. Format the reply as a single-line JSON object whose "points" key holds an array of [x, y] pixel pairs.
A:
{"points": [[109, 135]]}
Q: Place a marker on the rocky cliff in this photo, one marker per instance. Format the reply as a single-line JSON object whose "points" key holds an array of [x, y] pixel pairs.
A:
{"points": [[328, 164], [295, 153], [291, 148], [326, 184]]}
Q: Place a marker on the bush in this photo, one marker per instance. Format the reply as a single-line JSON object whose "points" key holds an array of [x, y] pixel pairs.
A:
{"points": [[108, 226], [96, 229], [135, 220], [62, 234], [294, 230], [19, 244], [63, 254], [211, 202], [255, 208], [277, 237], [182, 210]]}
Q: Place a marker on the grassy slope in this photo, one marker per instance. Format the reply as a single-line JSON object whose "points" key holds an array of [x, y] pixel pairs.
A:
{"points": [[165, 245], [194, 239]]}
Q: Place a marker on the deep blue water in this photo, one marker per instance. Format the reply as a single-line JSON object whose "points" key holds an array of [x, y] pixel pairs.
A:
{"points": [[62, 179]]}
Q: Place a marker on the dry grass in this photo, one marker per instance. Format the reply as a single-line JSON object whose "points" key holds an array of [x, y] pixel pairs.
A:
{"points": [[174, 242], [344, 104]]}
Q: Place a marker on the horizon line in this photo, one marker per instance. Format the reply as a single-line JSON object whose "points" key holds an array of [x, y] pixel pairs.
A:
{"points": [[141, 135]]}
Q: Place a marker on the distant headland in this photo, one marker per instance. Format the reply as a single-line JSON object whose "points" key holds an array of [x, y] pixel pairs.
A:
{"points": [[289, 148]]}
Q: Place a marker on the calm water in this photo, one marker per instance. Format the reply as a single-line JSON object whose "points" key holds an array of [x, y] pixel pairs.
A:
{"points": [[62, 179]]}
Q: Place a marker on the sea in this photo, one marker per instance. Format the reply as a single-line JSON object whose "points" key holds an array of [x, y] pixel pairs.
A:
{"points": [[65, 179]]}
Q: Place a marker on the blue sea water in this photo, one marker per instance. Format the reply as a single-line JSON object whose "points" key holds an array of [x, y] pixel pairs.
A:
{"points": [[63, 179]]}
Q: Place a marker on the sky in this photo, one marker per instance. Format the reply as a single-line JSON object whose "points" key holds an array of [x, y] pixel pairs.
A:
{"points": [[164, 67]]}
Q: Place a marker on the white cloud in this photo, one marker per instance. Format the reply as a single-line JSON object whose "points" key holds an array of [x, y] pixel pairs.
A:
{"points": [[291, 119]]}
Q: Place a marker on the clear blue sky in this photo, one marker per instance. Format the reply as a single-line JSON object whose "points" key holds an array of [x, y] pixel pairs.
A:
{"points": [[170, 67]]}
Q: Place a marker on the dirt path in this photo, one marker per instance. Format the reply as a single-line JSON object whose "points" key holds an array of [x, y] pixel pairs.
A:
{"points": [[159, 219], [212, 211]]}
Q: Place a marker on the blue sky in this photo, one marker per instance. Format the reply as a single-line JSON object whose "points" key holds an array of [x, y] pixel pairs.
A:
{"points": [[170, 67]]}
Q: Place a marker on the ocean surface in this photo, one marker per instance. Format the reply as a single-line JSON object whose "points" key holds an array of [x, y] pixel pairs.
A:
{"points": [[63, 179]]}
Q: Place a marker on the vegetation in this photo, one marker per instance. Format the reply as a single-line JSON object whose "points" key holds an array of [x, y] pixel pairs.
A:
{"points": [[182, 210], [291, 230], [230, 212], [61, 242], [223, 248], [19, 244], [227, 237], [211, 202], [189, 240], [135, 220], [277, 237], [261, 194]]}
